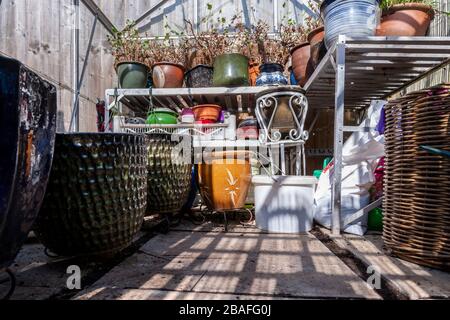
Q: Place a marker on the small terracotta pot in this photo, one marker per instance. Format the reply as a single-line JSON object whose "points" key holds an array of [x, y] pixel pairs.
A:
{"points": [[209, 112], [224, 179], [301, 65], [168, 75], [409, 19]]}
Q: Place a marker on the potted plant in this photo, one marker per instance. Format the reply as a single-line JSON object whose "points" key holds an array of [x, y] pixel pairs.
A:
{"points": [[168, 71], [226, 47], [316, 34], [132, 57], [293, 38], [271, 55], [406, 18]]}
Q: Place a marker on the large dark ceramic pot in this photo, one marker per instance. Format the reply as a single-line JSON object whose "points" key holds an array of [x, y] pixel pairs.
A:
{"points": [[27, 136], [200, 76], [169, 176], [97, 194]]}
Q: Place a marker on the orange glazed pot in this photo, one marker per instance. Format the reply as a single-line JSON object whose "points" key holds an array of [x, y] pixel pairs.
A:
{"points": [[210, 112], [168, 75], [409, 19], [224, 179], [301, 66]]}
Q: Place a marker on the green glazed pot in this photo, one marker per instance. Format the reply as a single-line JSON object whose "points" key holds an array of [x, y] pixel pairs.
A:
{"points": [[162, 116], [132, 75], [96, 196], [169, 178], [231, 70]]}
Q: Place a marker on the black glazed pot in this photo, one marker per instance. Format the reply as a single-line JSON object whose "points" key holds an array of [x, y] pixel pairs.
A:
{"points": [[169, 176], [97, 194], [200, 76], [27, 137]]}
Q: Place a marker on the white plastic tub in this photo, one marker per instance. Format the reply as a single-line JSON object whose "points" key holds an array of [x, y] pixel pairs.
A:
{"points": [[284, 204]]}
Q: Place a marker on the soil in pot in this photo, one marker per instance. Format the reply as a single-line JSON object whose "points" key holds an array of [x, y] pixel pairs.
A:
{"points": [[97, 194], [169, 176], [231, 70], [271, 74], [224, 179], [409, 19], [168, 75], [132, 75], [301, 65], [28, 107], [200, 76]]}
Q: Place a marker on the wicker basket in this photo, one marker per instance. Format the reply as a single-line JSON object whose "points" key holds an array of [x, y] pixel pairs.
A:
{"points": [[169, 177], [97, 194], [417, 182]]}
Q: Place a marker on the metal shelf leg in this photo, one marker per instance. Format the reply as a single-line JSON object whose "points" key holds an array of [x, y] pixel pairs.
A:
{"points": [[338, 135]]}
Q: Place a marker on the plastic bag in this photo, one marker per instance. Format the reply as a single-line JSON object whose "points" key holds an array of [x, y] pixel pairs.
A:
{"points": [[361, 153]]}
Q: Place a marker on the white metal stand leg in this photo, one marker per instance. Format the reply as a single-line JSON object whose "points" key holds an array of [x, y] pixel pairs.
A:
{"points": [[339, 135]]}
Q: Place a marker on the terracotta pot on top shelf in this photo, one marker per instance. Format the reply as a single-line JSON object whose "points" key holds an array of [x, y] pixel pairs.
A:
{"points": [[168, 75], [318, 49], [301, 65], [409, 19]]}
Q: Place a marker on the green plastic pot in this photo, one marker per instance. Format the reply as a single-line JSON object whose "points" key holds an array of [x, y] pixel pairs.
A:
{"points": [[231, 70], [162, 116], [132, 75], [375, 221]]}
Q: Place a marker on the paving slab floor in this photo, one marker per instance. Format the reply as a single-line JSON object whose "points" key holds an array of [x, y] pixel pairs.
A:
{"points": [[203, 262]]}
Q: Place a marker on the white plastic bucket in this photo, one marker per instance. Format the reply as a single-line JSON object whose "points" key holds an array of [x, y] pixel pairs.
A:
{"points": [[284, 204]]}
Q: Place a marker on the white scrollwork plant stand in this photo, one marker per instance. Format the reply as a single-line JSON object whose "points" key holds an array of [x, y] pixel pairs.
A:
{"points": [[267, 106]]}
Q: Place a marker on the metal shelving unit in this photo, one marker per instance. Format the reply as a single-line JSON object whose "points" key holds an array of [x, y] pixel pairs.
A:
{"points": [[356, 71], [352, 74]]}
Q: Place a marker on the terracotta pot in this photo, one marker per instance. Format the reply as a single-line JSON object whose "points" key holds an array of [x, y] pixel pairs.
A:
{"points": [[301, 66], [253, 72], [224, 179], [318, 48], [409, 19], [168, 75], [316, 36], [209, 112]]}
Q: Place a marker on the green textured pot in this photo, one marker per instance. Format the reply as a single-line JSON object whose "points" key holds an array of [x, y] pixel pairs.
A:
{"points": [[162, 116], [132, 75], [169, 178], [231, 70], [97, 194]]}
